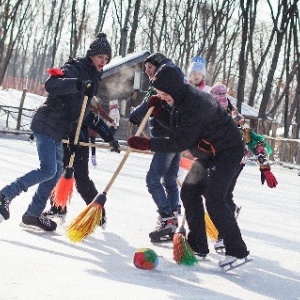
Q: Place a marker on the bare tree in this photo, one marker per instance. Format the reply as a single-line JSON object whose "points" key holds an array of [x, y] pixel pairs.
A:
{"points": [[13, 17], [134, 26], [286, 12]]}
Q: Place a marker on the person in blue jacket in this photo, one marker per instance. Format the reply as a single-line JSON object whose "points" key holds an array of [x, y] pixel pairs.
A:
{"points": [[162, 174]]}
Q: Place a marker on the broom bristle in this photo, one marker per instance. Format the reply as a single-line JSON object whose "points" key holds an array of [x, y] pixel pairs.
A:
{"points": [[63, 191], [211, 230], [85, 223], [182, 251]]}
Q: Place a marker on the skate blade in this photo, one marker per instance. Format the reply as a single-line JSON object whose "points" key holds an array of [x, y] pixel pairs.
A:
{"points": [[31, 228], [161, 239], [235, 264]]}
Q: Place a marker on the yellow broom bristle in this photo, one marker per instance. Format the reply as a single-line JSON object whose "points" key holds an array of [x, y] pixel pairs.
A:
{"points": [[211, 230], [182, 252], [85, 223], [63, 191]]}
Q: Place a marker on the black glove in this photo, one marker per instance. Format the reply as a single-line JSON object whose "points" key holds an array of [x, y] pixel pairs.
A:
{"points": [[115, 146], [86, 87]]}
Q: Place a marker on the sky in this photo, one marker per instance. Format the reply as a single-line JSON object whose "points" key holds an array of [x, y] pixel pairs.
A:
{"points": [[49, 266]]}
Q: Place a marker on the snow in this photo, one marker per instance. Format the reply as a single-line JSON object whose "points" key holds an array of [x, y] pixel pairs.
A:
{"points": [[50, 266]]}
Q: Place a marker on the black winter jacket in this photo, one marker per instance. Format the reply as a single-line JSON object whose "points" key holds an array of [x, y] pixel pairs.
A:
{"points": [[61, 110], [197, 120]]}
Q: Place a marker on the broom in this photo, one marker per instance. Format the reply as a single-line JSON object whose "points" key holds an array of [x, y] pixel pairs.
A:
{"points": [[63, 190], [85, 223], [182, 251]]}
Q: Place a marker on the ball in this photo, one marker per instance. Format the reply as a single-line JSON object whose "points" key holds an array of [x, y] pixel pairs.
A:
{"points": [[145, 258]]}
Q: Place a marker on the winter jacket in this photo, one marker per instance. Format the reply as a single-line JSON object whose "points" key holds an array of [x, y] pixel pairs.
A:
{"points": [[61, 110], [198, 124], [156, 129]]}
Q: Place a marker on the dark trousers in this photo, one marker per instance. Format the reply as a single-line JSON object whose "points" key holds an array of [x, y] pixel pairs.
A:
{"points": [[221, 171], [85, 186]]}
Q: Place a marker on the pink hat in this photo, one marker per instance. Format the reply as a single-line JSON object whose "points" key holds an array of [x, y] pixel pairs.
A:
{"points": [[218, 91]]}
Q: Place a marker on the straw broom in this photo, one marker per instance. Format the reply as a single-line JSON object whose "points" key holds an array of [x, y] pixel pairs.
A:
{"points": [[182, 251], [63, 190], [85, 223]]}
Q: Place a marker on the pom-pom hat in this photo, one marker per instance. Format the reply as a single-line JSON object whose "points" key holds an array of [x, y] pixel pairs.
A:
{"points": [[198, 64], [100, 46]]}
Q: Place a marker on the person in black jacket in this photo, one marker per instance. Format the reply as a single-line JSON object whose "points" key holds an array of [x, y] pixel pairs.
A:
{"points": [[52, 121], [202, 126]]}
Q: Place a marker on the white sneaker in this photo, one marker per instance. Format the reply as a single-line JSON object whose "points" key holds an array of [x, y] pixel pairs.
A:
{"points": [[94, 160]]}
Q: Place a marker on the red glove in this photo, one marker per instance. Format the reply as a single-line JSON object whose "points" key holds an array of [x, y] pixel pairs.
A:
{"points": [[139, 143], [267, 175], [157, 103]]}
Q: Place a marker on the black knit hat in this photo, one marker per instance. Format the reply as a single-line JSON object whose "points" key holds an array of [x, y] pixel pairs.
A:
{"points": [[100, 46], [169, 79], [156, 59]]}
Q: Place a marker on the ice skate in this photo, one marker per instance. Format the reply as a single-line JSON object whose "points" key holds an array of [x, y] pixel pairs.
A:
{"points": [[219, 246], [165, 229], [55, 212], [38, 224], [4, 208], [232, 262]]}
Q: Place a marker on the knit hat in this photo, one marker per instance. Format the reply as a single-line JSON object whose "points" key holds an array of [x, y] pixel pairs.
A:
{"points": [[156, 59], [169, 79], [218, 91], [100, 46], [198, 64]]}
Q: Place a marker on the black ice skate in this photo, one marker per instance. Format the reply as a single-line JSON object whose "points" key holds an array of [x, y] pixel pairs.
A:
{"points": [[165, 230], [55, 212], [4, 208], [38, 224]]}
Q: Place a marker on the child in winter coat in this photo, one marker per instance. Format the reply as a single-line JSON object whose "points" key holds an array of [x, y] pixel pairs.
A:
{"points": [[50, 124], [200, 124], [252, 141], [196, 73]]}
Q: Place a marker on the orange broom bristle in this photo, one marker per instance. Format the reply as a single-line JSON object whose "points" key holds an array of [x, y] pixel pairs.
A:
{"points": [[63, 191], [211, 230], [85, 223], [183, 254]]}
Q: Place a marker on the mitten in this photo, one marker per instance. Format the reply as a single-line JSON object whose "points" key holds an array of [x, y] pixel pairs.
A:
{"points": [[86, 87], [267, 175], [115, 146], [139, 143], [157, 103]]}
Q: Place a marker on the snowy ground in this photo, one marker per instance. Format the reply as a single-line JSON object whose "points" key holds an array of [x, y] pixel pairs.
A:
{"points": [[49, 266]]}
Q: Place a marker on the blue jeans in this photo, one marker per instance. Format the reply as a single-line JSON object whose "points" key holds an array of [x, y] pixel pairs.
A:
{"points": [[161, 181], [51, 166]]}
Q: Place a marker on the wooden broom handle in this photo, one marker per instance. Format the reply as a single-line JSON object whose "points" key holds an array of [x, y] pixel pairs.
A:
{"points": [[184, 215], [76, 139], [139, 131]]}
